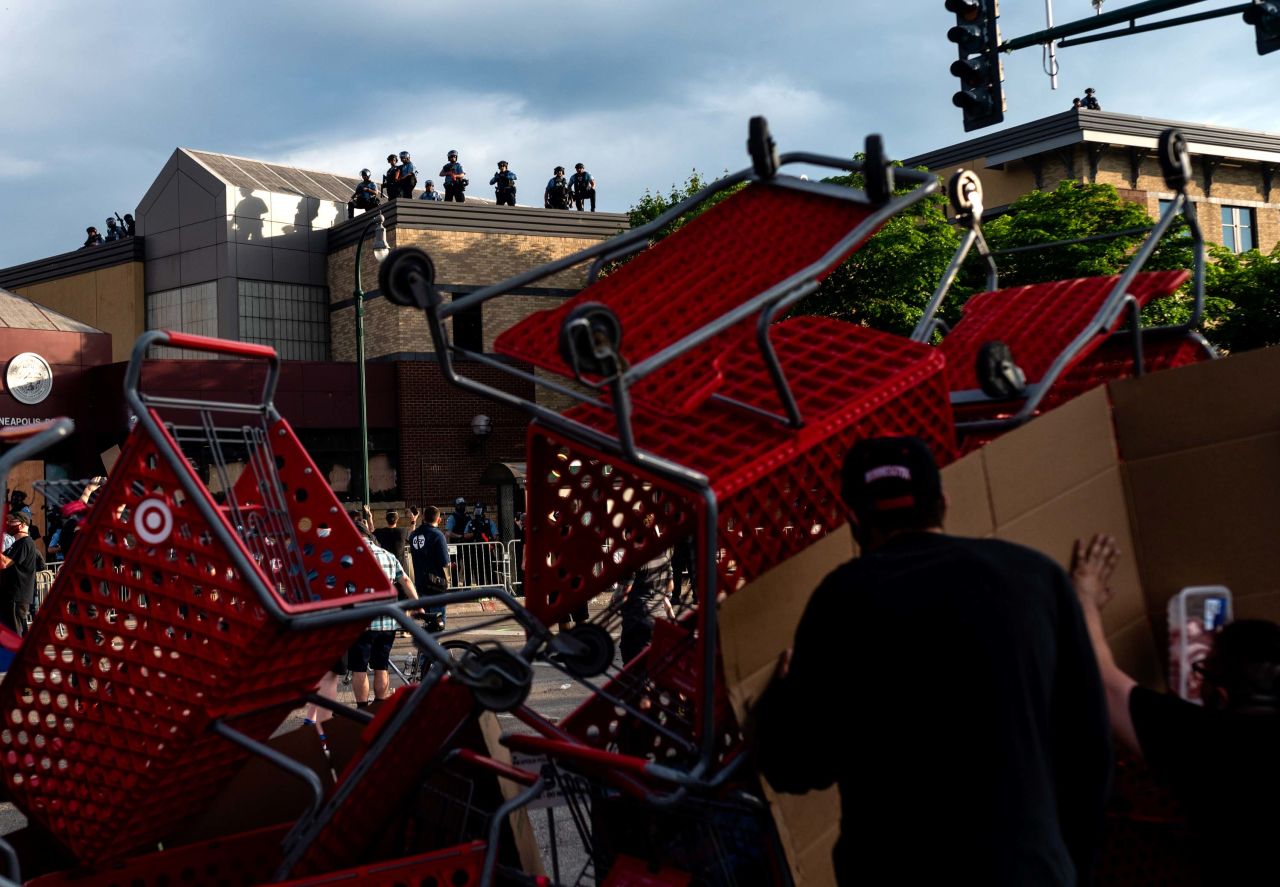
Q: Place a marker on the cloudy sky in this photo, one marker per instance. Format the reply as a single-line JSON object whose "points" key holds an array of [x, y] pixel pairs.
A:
{"points": [[97, 95]]}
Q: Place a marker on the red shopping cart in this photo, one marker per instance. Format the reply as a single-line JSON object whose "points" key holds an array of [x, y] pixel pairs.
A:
{"points": [[1020, 351], [176, 612]]}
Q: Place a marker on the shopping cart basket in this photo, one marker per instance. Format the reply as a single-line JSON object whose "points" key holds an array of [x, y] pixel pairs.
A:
{"points": [[21, 443], [1020, 351], [174, 613]]}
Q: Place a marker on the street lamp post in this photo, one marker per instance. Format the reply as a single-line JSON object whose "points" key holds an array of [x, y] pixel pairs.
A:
{"points": [[380, 251]]}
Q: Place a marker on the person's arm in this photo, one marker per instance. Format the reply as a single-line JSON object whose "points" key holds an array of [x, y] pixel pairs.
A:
{"points": [[1092, 563], [406, 585]]}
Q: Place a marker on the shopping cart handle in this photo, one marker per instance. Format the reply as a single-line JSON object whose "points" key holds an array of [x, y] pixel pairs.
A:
{"points": [[506, 771], [218, 346], [133, 374], [608, 760]]}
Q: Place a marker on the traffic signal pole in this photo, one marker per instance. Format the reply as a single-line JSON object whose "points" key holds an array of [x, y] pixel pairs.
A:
{"points": [[1128, 14], [977, 36]]}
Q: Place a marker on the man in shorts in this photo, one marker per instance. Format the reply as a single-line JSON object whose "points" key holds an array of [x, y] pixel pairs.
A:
{"points": [[373, 648]]}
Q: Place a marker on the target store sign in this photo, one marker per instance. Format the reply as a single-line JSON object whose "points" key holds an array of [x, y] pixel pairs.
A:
{"points": [[153, 521]]}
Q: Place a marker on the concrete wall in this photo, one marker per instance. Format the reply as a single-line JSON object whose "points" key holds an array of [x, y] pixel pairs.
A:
{"points": [[110, 299]]}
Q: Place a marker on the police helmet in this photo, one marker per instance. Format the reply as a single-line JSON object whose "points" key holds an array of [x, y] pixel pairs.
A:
{"points": [[110, 222], [365, 172], [502, 163], [404, 155], [453, 154]]}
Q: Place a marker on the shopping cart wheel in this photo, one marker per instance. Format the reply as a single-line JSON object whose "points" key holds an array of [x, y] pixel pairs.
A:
{"points": [[877, 171], [762, 148], [407, 277], [1175, 162], [999, 377], [589, 652], [965, 192], [499, 678], [590, 338]]}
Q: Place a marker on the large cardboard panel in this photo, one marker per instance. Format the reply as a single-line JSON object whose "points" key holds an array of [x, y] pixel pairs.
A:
{"points": [[968, 498], [1050, 455], [1096, 506], [756, 624], [1208, 516], [1199, 405]]}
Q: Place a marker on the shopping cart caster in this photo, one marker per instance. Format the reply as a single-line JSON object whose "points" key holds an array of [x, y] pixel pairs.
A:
{"points": [[964, 190], [762, 148], [585, 650], [407, 278], [590, 338], [499, 679], [998, 376], [877, 171], [1175, 162]]}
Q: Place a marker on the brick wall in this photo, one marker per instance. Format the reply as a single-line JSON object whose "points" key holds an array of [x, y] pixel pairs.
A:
{"points": [[440, 457]]}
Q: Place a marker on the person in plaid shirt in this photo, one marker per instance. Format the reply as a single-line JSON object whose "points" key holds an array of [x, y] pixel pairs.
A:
{"points": [[373, 648]]}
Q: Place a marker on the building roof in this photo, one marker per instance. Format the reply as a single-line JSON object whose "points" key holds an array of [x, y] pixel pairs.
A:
{"points": [[77, 261], [17, 313], [243, 172], [1076, 126]]}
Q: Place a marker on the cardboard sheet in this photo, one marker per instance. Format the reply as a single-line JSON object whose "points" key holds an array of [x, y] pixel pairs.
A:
{"points": [[1182, 467]]}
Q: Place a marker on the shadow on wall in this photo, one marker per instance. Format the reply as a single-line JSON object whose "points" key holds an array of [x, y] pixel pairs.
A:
{"points": [[254, 221], [251, 215]]}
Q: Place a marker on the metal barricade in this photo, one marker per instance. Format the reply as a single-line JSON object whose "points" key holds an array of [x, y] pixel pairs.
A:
{"points": [[480, 565]]}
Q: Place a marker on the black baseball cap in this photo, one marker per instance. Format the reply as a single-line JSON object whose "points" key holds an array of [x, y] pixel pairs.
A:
{"points": [[888, 475]]}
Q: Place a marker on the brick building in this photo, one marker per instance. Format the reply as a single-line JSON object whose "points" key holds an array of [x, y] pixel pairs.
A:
{"points": [[1236, 190], [240, 249]]}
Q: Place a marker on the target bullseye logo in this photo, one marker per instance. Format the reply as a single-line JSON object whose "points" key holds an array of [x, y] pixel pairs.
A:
{"points": [[153, 520]]}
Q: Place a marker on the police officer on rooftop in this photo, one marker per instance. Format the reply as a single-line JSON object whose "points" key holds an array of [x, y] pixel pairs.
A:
{"points": [[408, 175], [455, 179], [583, 185], [365, 196], [557, 194], [504, 185]]}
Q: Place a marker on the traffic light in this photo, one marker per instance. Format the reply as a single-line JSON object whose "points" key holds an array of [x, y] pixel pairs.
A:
{"points": [[977, 37], [1264, 15]]}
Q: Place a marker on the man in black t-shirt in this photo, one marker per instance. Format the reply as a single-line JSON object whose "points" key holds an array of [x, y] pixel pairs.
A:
{"points": [[18, 566], [975, 746], [394, 539], [430, 553], [1221, 759]]}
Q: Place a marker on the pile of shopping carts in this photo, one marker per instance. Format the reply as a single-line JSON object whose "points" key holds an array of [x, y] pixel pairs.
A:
{"points": [[193, 615]]}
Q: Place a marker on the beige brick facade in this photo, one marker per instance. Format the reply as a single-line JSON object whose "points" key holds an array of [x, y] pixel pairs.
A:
{"points": [[1233, 183], [462, 258]]}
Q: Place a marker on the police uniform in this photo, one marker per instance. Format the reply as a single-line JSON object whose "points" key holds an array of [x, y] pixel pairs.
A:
{"points": [[504, 182]]}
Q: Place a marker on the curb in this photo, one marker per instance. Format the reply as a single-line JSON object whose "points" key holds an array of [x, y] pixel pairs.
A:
{"points": [[486, 606]]}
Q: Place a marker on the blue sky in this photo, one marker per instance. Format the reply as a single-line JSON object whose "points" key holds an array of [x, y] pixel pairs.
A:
{"points": [[98, 95]]}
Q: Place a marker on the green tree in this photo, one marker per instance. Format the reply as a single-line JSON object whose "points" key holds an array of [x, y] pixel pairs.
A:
{"points": [[887, 283], [1250, 283]]}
